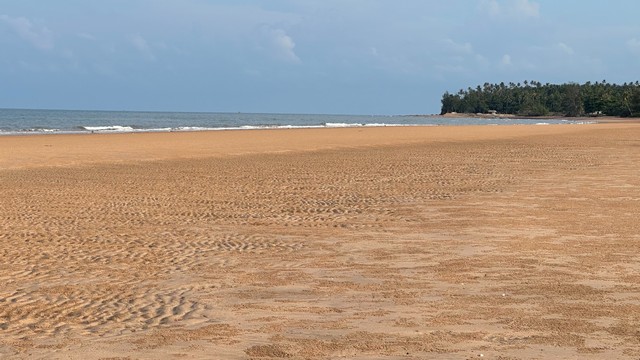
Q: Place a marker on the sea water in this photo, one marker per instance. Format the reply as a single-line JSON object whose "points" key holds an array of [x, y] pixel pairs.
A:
{"points": [[27, 121]]}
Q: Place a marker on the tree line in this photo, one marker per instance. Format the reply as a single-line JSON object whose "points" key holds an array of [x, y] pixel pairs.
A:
{"points": [[532, 98]]}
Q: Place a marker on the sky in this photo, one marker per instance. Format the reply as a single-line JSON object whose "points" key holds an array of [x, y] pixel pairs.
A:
{"points": [[302, 56]]}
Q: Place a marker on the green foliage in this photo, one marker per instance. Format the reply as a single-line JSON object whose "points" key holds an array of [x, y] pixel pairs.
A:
{"points": [[572, 102], [535, 99]]}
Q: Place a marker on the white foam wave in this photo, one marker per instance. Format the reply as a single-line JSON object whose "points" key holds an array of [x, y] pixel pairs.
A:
{"points": [[130, 129], [346, 125], [342, 125], [110, 128]]}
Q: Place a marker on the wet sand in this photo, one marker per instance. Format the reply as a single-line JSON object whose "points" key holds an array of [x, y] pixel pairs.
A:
{"points": [[364, 243]]}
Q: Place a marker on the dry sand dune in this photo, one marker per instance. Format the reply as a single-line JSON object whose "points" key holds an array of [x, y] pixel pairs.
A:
{"points": [[510, 242]]}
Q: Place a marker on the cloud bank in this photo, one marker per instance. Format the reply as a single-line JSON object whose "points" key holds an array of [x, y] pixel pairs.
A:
{"points": [[281, 46], [511, 8], [38, 36]]}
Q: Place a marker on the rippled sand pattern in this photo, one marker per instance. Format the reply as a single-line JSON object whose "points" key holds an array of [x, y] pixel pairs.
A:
{"points": [[515, 248]]}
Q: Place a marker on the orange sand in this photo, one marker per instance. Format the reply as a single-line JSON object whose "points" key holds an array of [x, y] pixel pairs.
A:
{"points": [[396, 243]]}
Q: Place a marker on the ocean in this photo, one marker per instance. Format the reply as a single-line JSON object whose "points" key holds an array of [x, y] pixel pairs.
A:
{"points": [[27, 121]]}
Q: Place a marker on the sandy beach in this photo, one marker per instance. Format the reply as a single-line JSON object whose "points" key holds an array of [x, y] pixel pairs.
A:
{"points": [[500, 242]]}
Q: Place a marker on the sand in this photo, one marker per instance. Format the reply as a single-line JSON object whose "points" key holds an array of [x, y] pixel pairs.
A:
{"points": [[366, 243]]}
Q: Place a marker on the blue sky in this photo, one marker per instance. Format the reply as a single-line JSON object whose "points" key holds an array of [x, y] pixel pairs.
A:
{"points": [[302, 56]]}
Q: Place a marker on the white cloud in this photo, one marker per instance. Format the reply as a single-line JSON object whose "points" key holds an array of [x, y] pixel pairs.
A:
{"points": [[526, 8], [634, 46], [40, 37], [565, 48], [86, 36], [140, 44], [511, 8], [491, 7], [481, 60], [506, 60], [282, 45], [461, 57], [459, 48]]}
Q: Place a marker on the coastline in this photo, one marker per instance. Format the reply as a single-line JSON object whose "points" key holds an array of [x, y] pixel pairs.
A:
{"points": [[18, 151], [597, 119], [29, 122], [416, 242]]}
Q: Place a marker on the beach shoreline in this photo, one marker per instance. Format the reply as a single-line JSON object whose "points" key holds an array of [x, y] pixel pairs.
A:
{"points": [[20, 151], [595, 119], [29, 122], [365, 243]]}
